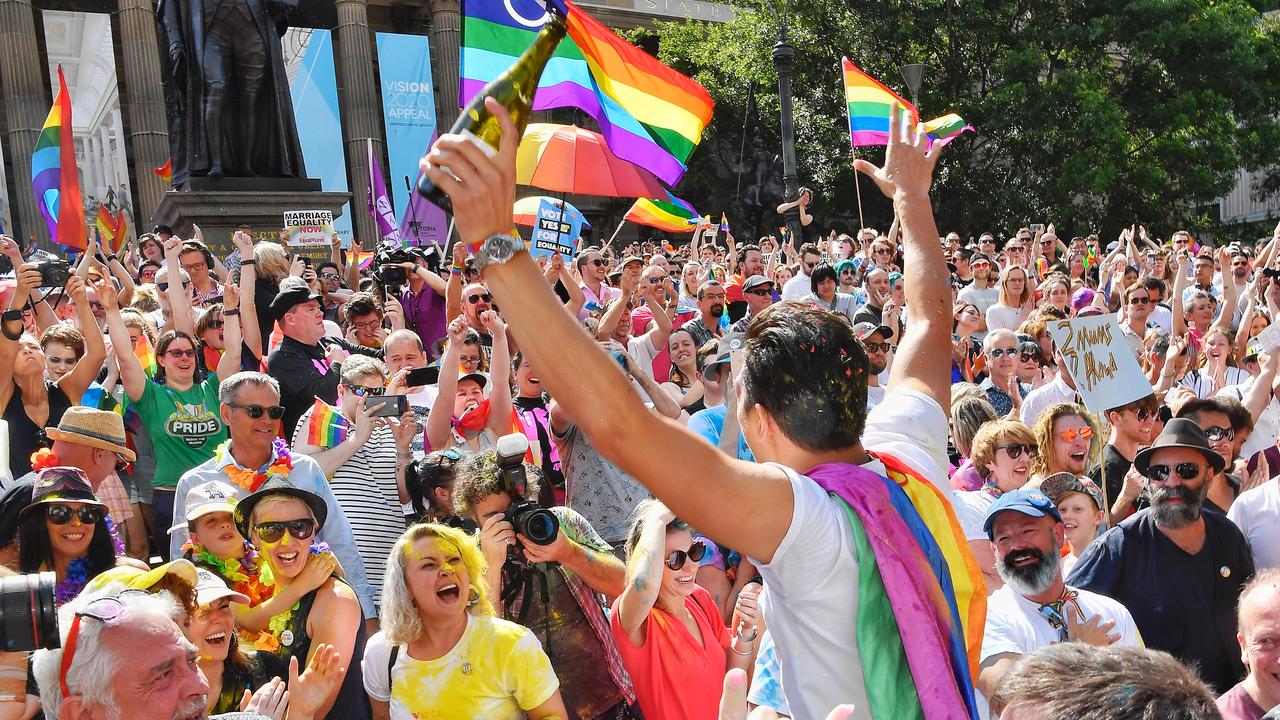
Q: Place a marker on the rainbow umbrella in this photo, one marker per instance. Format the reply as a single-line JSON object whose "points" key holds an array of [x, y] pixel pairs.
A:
{"points": [[569, 159], [526, 209]]}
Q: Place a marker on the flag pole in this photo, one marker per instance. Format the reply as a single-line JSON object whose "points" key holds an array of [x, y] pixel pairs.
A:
{"points": [[857, 187], [615, 234]]}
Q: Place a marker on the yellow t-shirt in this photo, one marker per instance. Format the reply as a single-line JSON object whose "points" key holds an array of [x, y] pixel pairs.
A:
{"points": [[496, 670]]}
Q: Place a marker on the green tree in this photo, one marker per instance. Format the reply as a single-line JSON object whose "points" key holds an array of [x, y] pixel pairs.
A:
{"points": [[1089, 113]]}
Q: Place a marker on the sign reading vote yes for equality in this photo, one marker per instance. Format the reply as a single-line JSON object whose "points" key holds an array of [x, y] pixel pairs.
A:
{"points": [[1100, 361], [556, 230]]}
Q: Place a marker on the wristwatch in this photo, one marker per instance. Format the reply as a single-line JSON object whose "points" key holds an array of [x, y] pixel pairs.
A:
{"points": [[497, 249], [11, 315]]}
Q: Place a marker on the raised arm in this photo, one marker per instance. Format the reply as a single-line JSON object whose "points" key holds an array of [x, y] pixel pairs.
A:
{"points": [[250, 333], [440, 419], [1230, 293], [179, 307], [353, 267], [499, 374], [905, 179], [453, 290], [644, 573], [577, 298], [131, 373], [82, 375], [229, 363], [1180, 281]]}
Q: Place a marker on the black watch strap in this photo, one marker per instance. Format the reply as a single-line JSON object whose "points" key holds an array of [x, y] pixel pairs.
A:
{"points": [[10, 315]]}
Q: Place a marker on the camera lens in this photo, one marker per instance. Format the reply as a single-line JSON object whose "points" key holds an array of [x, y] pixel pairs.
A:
{"points": [[537, 524], [28, 614]]}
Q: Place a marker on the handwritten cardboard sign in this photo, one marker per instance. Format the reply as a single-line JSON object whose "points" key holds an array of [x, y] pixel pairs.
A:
{"points": [[1100, 361], [309, 228], [556, 230]]}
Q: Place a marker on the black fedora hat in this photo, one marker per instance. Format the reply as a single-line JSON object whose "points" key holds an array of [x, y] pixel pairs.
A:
{"points": [[279, 485], [1180, 433]]}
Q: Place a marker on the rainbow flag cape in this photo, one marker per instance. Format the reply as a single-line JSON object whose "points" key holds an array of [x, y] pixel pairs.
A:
{"points": [[671, 214], [869, 103], [146, 356], [326, 428], [110, 234], [53, 175], [649, 114], [914, 663], [165, 172]]}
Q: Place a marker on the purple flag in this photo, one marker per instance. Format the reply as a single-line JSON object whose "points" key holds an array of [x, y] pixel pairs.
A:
{"points": [[379, 204], [423, 223]]}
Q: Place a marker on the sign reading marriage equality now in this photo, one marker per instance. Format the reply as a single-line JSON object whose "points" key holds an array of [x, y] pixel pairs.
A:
{"points": [[1100, 361]]}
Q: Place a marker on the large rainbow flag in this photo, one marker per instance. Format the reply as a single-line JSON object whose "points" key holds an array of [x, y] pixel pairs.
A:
{"points": [[671, 214], [53, 175], [869, 104], [649, 114]]}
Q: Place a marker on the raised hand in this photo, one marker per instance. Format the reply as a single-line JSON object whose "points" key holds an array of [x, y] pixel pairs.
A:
{"points": [[10, 249], [244, 243], [480, 182], [908, 163], [309, 691]]}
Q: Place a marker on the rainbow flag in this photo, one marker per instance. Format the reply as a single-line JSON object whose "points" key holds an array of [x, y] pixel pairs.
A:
{"points": [[146, 356], [165, 172], [649, 114], [110, 234], [327, 427], [671, 214], [53, 175], [724, 223], [869, 103], [533, 455], [364, 259], [122, 233]]}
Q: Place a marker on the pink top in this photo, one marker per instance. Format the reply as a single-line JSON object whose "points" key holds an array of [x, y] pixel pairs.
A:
{"points": [[674, 675]]}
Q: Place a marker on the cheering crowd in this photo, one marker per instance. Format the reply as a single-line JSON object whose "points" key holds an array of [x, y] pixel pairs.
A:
{"points": [[836, 475]]}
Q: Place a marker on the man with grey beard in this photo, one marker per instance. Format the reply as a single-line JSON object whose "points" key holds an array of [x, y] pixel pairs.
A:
{"points": [[1035, 608], [1178, 570]]}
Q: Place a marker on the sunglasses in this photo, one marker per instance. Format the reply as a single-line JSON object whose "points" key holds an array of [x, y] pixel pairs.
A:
{"points": [[61, 514], [678, 558], [881, 251], [658, 279], [1186, 471], [300, 529], [216, 324], [759, 291], [275, 412], [363, 391], [1015, 450], [165, 286], [1139, 301], [105, 610], [878, 347], [176, 354], [330, 276], [1001, 352], [122, 465], [1070, 434], [599, 262], [1014, 248], [1144, 414], [1216, 434], [475, 299]]}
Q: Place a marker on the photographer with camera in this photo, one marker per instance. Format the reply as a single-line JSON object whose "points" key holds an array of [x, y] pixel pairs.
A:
{"points": [[423, 301], [29, 402], [548, 566]]}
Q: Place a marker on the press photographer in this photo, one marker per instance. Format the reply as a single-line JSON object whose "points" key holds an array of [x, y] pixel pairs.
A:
{"points": [[549, 567]]}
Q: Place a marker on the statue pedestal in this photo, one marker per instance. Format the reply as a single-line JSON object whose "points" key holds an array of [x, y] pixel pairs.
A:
{"points": [[218, 205]]}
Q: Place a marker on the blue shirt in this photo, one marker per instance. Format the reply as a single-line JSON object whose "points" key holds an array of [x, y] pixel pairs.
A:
{"points": [[709, 423], [306, 475]]}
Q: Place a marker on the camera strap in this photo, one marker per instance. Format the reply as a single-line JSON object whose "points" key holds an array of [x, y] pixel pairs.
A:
{"points": [[518, 580]]}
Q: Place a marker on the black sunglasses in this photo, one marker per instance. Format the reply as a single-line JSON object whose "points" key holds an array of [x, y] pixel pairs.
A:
{"points": [[880, 346], [1015, 450], [1216, 433], [275, 412], [759, 291], [363, 391], [301, 529], [61, 514], [215, 324], [599, 262], [1001, 352], [1186, 471], [1143, 414], [678, 558], [475, 299]]}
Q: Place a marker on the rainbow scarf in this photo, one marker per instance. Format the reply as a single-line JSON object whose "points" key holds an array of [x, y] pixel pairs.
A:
{"points": [[649, 114], [54, 175], [908, 629], [327, 427]]}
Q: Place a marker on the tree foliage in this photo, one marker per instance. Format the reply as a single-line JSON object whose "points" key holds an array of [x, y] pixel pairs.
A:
{"points": [[1093, 114]]}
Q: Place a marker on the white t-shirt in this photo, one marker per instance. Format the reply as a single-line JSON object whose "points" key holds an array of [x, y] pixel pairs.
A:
{"points": [[971, 512], [797, 287], [812, 603], [1162, 316], [875, 395], [1257, 513], [1003, 317], [643, 351], [982, 298]]}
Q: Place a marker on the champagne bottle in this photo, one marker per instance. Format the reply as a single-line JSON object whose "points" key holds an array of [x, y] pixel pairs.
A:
{"points": [[513, 89]]}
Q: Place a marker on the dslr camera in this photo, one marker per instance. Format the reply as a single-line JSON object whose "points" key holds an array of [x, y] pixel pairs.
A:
{"points": [[386, 266], [54, 271], [538, 524], [28, 613]]}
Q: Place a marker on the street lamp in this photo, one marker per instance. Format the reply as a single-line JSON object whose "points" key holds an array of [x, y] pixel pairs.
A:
{"points": [[913, 74], [783, 59]]}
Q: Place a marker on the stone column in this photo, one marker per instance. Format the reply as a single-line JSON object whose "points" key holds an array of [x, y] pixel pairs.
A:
{"points": [[123, 186], [142, 100], [92, 167], [26, 103], [109, 167], [446, 36], [360, 101]]}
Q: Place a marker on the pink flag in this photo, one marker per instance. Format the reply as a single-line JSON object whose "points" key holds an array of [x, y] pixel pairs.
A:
{"points": [[379, 204]]}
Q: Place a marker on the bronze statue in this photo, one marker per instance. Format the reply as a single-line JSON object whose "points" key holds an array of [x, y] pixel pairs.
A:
{"points": [[226, 93]]}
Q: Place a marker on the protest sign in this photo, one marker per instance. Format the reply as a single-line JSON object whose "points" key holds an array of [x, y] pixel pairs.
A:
{"points": [[555, 231], [1100, 361], [1269, 338], [309, 228]]}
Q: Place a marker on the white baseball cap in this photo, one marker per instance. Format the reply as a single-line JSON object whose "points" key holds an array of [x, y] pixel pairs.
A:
{"points": [[210, 587], [213, 496]]}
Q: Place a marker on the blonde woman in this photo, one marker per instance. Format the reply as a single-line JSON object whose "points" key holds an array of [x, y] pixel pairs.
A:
{"points": [[1016, 300], [441, 652]]}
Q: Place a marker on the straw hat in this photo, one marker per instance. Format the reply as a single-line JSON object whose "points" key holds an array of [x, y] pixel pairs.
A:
{"points": [[96, 428]]}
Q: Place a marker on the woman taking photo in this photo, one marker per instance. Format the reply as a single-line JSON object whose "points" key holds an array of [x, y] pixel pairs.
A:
{"points": [[1079, 503], [441, 653], [178, 407], [65, 530], [1016, 300], [669, 631], [1003, 452], [281, 520]]}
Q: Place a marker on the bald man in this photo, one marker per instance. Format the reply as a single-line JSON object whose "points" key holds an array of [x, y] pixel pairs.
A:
{"points": [[1259, 638]]}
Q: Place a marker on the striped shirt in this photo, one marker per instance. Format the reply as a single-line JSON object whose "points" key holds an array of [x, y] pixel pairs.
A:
{"points": [[365, 488], [1201, 382]]}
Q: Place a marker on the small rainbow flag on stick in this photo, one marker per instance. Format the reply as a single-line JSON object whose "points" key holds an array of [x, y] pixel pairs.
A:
{"points": [[671, 214], [146, 356], [869, 103], [724, 223], [110, 234], [165, 172], [326, 428], [54, 177]]}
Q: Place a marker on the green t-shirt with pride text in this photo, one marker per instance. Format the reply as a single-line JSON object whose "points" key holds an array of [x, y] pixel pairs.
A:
{"points": [[184, 427]]}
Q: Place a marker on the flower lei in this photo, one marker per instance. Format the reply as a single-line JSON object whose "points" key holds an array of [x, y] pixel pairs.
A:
{"points": [[73, 583], [249, 479], [269, 640], [242, 574]]}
